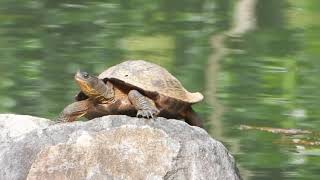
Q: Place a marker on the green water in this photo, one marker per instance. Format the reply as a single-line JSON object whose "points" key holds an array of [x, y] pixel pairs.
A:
{"points": [[267, 75]]}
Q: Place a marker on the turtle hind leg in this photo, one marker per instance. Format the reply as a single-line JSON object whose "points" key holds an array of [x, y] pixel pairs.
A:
{"points": [[145, 106], [192, 118], [73, 111]]}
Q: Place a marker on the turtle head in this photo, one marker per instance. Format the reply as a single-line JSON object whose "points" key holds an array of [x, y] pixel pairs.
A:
{"points": [[86, 82], [92, 86]]}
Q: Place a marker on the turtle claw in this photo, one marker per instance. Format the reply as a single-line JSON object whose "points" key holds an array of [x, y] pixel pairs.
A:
{"points": [[139, 114], [149, 114]]}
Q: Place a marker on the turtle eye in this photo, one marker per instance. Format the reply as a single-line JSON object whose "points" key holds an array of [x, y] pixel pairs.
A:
{"points": [[85, 75]]}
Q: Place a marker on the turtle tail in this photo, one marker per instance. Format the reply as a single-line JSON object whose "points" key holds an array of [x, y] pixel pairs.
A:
{"points": [[192, 118]]}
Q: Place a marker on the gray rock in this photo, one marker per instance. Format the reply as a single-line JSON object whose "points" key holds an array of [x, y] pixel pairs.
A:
{"points": [[110, 147], [12, 126]]}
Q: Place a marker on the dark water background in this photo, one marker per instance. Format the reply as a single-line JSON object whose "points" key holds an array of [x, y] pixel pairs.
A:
{"points": [[263, 74]]}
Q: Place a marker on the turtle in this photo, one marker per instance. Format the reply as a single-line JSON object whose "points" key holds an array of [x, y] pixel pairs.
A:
{"points": [[134, 88]]}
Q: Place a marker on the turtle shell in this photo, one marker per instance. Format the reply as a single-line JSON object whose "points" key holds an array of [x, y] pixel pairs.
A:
{"points": [[150, 77]]}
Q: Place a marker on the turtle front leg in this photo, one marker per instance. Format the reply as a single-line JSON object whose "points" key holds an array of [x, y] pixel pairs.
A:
{"points": [[145, 106], [73, 111]]}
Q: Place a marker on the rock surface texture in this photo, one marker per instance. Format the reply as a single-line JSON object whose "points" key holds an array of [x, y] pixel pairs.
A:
{"points": [[110, 147]]}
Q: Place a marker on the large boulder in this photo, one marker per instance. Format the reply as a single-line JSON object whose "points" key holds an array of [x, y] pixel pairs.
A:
{"points": [[13, 126], [110, 147]]}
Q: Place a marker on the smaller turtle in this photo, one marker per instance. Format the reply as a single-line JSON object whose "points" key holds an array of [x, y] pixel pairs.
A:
{"points": [[134, 88]]}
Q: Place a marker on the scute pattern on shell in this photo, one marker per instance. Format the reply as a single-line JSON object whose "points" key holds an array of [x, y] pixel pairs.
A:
{"points": [[150, 77]]}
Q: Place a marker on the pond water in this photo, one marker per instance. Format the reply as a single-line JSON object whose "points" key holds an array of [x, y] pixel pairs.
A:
{"points": [[256, 62]]}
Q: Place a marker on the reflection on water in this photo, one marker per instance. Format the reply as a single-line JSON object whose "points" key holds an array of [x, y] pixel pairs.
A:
{"points": [[267, 75]]}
